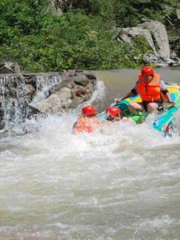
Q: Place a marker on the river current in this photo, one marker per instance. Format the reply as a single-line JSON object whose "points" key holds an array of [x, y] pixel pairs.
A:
{"points": [[122, 183]]}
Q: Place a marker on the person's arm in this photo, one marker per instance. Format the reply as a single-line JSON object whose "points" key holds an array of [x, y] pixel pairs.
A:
{"points": [[169, 98], [166, 93], [132, 93]]}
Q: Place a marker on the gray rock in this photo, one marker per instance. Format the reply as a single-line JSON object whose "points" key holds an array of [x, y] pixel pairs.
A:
{"points": [[56, 6], [48, 105], [129, 33], [81, 80], [29, 90], [9, 67], [178, 13], [156, 35], [160, 38], [56, 102], [31, 95]]}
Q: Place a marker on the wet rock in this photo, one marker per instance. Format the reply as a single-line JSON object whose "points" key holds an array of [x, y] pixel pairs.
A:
{"points": [[80, 92], [28, 95], [72, 91], [90, 76], [32, 112], [9, 67], [81, 80], [30, 79], [30, 90]]}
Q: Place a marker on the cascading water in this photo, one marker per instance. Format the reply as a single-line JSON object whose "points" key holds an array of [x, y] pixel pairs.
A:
{"points": [[119, 183], [12, 100], [15, 102], [43, 84]]}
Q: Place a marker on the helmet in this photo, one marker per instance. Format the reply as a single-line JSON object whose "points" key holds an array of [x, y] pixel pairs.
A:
{"points": [[88, 111], [112, 112], [146, 71]]}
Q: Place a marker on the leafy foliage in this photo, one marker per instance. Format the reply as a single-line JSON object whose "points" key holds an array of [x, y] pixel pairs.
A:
{"points": [[82, 38]]}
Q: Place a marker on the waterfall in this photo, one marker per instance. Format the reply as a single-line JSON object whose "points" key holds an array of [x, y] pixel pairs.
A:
{"points": [[14, 100]]}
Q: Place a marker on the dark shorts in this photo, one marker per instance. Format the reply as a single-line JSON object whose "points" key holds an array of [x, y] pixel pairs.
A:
{"points": [[159, 103]]}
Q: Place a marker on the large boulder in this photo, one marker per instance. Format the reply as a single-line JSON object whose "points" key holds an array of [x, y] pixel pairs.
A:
{"points": [[156, 35], [160, 38], [129, 33], [75, 88], [56, 102]]}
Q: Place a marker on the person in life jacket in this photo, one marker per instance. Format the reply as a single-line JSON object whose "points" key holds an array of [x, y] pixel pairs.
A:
{"points": [[151, 89], [88, 122], [114, 115]]}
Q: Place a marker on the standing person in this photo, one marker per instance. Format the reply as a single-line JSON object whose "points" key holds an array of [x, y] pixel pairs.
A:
{"points": [[150, 87], [88, 122]]}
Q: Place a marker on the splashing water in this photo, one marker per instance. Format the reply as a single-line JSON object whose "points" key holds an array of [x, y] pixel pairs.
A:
{"points": [[121, 182]]}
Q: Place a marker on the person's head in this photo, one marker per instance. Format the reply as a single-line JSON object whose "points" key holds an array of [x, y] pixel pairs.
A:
{"points": [[113, 113], [88, 111], [147, 73]]}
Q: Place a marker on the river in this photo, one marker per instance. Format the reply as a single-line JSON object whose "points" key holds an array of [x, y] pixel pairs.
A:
{"points": [[120, 184]]}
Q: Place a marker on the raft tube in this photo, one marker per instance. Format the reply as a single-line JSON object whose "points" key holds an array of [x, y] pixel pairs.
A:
{"points": [[141, 116]]}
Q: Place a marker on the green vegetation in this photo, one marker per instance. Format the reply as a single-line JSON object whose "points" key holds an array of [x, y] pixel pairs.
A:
{"points": [[82, 38]]}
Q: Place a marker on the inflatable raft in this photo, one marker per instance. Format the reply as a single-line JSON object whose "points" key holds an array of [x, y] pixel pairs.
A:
{"points": [[165, 122], [162, 122]]}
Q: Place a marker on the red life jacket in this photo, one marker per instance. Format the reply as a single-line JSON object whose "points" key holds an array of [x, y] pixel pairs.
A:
{"points": [[150, 91], [85, 124]]}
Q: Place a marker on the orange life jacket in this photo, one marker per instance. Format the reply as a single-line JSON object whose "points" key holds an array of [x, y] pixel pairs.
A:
{"points": [[150, 91], [85, 124]]}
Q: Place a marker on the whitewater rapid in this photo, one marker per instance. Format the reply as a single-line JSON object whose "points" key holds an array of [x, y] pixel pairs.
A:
{"points": [[120, 183]]}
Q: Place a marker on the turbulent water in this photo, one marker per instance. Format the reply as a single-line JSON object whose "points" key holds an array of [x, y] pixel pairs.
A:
{"points": [[121, 183]]}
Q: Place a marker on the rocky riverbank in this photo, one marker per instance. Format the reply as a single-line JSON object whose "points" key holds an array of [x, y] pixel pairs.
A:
{"points": [[23, 95]]}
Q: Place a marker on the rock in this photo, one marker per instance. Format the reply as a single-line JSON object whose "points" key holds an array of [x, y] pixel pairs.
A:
{"points": [[57, 87], [160, 38], [156, 35], [129, 33], [55, 102], [2, 125], [30, 79], [90, 76], [86, 97], [32, 111], [56, 6], [9, 67], [30, 95], [178, 13], [30, 89], [80, 92], [48, 106], [64, 93], [81, 80]]}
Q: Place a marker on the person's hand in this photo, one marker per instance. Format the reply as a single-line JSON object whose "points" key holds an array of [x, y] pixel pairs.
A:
{"points": [[118, 100], [172, 102]]}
